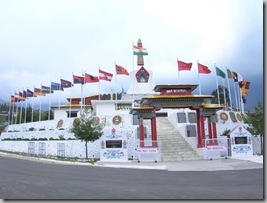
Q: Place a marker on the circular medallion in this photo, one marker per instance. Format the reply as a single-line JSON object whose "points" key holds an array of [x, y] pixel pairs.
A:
{"points": [[96, 120], [239, 117], [223, 116], [59, 123], [116, 120]]}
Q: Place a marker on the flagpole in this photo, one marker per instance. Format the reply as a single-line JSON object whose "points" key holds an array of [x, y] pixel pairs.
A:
{"points": [[70, 99], [178, 72], [60, 88], [238, 96], [50, 92], [40, 104], [20, 110], [82, 95], [33, 103], [230, 96], [11, 115], [241, 101], [25, 106], [9, 110], [17, 109], [133, 74], [224, 92], [98, 84], [84, 72], [116, 92], [235, 95], [218, 89], [199, 85]]}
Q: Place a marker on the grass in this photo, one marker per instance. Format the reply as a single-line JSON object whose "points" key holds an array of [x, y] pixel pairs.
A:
{"points": [[58, 158]]}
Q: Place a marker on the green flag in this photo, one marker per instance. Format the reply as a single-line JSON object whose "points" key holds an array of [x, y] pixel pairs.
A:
{"points": [[229, 73], [219, 72]]}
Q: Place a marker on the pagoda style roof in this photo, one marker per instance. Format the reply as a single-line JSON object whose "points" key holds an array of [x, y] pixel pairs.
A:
{"points": [[65, 106], [212, 106], [159, 88], [79, 98]]}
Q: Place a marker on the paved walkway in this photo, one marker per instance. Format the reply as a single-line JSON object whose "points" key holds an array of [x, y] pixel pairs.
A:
{"points": [[250, 162]]}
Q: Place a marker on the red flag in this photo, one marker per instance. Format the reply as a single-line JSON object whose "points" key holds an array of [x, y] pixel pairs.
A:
{"points": [[121, 70], [105, 75], [203, 69], [90, 78], [65, 83], [184, 66], [78, 79]]}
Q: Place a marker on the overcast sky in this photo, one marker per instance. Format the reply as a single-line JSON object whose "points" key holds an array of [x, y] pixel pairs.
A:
{"points": [[43, 40]]}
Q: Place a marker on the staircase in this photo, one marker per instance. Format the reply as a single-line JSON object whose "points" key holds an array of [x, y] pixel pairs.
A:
{"points": [[172, 144]]}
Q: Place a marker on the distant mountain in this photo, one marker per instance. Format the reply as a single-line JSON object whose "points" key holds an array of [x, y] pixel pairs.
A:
{"points": [[2, 101]]}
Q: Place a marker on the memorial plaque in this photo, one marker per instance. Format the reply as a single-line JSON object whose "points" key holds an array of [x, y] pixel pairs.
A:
{"points": [[191, 131], [181, 117], [192, 117], [113, 143], [232, 116], [241, 140]]}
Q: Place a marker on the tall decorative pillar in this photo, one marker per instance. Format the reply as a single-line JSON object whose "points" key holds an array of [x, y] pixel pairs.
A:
{"points": [[202, 127], [199, 139], [140, 58], [154, 131], [141, 132]]}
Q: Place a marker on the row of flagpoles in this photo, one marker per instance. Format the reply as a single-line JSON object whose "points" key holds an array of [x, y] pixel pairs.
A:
{"points": [[55, 86], [241, 86], [240, 92], [85, 78]]}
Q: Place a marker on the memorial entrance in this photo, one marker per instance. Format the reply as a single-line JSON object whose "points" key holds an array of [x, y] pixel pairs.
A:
{"points": [[175, 97]]}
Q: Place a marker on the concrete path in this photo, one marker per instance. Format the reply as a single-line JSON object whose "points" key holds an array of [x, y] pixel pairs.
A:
{"points": [[250, 162]]}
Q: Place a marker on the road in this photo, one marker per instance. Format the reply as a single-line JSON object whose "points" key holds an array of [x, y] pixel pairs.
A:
{"points": [[24, 179]]}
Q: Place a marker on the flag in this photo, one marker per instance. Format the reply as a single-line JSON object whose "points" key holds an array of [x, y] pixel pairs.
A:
{"points": [[89, 78], [105, 75], [203, 69], [65, 84], [239, 77], [219, 72], [37, 92], [29, 93], [20, 97], [139, 51], [45, 89], [244, 85], [184, 66], [121, 70], [234, 76], [24, 94], [14, 99], [229, 73], [78, 79], [55, 86]]}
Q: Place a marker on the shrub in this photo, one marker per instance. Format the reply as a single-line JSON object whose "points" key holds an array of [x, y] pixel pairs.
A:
{"points": [[31, 129]]}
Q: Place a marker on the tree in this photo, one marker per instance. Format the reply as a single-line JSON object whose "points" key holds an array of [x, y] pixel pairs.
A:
{"points": [[86, 129], [215, 100], [255, 121]]}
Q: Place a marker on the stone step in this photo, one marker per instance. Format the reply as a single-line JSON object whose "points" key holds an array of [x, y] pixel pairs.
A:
{"points": [[173, 146]]}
